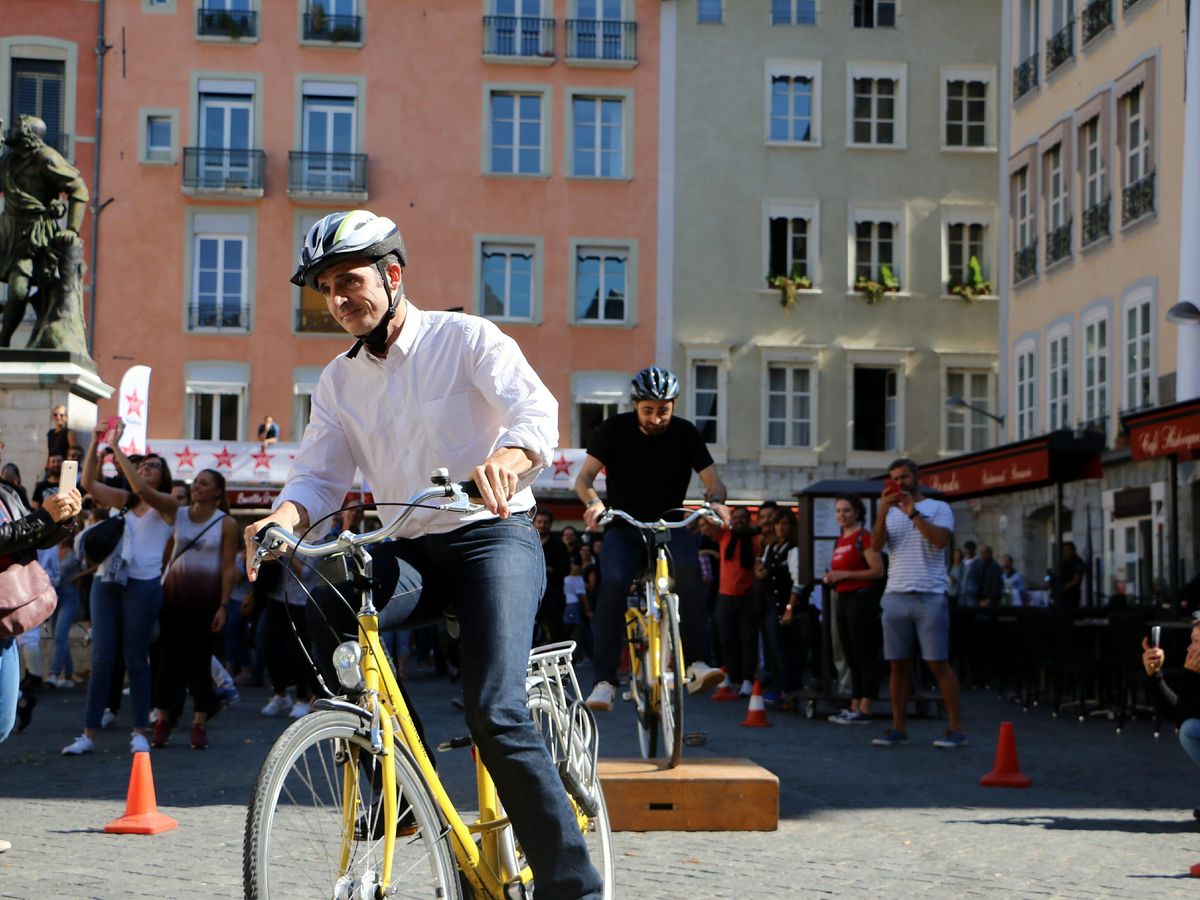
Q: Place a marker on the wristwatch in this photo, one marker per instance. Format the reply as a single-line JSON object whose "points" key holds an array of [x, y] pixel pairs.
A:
{"points": [[594, 501], [914, 514]]}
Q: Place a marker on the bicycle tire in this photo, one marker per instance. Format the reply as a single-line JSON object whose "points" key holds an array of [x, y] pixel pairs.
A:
{"points": [[295, 823], [640, 691], [671, 680]]}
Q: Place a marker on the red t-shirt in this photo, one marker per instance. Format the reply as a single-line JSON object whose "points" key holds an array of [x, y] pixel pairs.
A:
{"points": [[735, 580], [846, 558]]}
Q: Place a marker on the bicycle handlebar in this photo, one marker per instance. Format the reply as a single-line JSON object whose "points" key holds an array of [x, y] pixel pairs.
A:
{"points": [[703, 512]]}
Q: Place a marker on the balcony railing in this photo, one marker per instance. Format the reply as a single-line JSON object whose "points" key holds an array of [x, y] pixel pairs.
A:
{"points": [[218, 169], [317, 321], [322, 27], [1097, 16], [518, 36], [327, 173], [236, 23], [601, 39], [1061, 47], [211, 315], [1025, 77], [1025, 262], [1127, 5], [1095, 223], [1058, 243], [1138, 200]]}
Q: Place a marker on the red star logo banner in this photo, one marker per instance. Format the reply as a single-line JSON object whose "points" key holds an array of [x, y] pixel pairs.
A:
{"points": [[130, 449], [225, 458], [562, 465], [186, 458], [135, 404], [262, 460]]}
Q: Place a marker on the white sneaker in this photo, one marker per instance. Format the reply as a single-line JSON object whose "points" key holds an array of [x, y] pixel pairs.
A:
{"points": [[747, 689], [298, 710], [138, 743], [65, 683], [602, 696], [5, 845], [703, 677], [109, 719], [279, 703], [81, 745]]}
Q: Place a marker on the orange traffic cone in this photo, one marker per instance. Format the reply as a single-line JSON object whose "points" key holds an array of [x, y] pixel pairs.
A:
{"points": [[756, 717], [141, 809], [1195, 870], [725, 689], [1006, 772]]}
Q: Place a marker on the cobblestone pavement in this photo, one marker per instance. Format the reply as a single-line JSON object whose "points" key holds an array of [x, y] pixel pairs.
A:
{"points": [[1108, 815]]}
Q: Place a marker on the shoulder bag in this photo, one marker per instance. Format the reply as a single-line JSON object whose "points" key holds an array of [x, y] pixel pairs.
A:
{"points": [[27, 598]]}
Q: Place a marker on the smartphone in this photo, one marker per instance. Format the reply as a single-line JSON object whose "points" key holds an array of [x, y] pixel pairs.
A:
{"points": [[111, 424], [67, 476], [891, 486], [1155, 632]]}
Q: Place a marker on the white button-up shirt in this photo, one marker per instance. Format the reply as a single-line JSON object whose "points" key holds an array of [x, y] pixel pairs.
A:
{"points": [[452, 389]]}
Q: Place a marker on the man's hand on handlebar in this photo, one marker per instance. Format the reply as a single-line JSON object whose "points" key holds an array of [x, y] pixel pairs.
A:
{"points": [[721, 510], [496, 478], [289, 516], [591, 515]]}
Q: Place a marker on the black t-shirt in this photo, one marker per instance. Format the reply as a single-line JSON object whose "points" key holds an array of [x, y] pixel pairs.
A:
{"points": [[1072, 597], [648, 475]]}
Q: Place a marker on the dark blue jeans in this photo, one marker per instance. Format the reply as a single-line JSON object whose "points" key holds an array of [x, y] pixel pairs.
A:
{"points": [[490, 574], [123, 618], [623, 557]]}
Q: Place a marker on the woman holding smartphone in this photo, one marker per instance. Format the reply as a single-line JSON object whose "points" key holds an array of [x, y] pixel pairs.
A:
{"points": [[126, 593]]}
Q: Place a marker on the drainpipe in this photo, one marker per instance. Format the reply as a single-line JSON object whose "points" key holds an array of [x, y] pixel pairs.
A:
{"points": [[101, 49], [1187, 359]]}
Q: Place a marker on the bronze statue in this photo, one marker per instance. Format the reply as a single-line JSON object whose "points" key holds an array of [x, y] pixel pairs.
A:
{"points": [[40, 258]]}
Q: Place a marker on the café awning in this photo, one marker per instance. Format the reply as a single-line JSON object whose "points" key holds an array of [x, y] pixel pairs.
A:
{"points": [[1172, 430]]}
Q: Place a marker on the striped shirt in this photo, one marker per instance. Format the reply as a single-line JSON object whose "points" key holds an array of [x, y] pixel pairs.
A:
{"points": [[914, 564]]}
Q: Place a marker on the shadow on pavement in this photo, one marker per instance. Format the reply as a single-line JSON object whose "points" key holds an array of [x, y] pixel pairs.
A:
{"points": [[1070, 823]]}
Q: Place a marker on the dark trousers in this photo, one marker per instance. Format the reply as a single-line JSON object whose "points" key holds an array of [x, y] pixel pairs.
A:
{"points": [[283, 649], [737, 623], [492, 575], [784, 649], [185, 658], [859, 627]]}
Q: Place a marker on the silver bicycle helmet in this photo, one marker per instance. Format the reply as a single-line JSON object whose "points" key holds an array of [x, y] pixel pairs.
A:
{"points": [[654, 383]]}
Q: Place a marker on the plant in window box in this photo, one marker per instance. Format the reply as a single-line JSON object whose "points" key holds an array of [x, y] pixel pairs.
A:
{"points": [[787, 285], [975, 286], [343, 33], [887, 283], [318, 22]]}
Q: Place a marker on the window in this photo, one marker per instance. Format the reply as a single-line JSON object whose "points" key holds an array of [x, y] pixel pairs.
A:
{"points": [[329, 140], [312, 312], [599, 137], [789, 250], [1026, 228], [1137, 138], [1026, 376], [304, 383], [38, 89], [219, 283], [228, 18], [793, 12], [1058, 206], [1029, 34], [216, 400], [965, 241], [968, 430], [793, 105], [706, 400], [874, 111], [599, 31], [789, 411], [1139, 358], [1095, 372], [600, 284], [877, 236], [709, 12], [226, 136], [158, 137], [516, 133], [966, 113], [875, 408], [332, 20], [874, 13], [1093, 164], [507, 281], [1058, 368]]}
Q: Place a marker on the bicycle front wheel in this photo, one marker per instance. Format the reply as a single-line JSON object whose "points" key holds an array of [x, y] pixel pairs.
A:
{"points": [[671, 678], [298, 827], [641, 688]]}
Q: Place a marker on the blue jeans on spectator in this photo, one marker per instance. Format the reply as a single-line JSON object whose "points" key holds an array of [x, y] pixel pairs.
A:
{"points": [[492, 575], [1189, 738], [68, 611], [237, 651], [624, 557], [10, 685], [126, 616]]}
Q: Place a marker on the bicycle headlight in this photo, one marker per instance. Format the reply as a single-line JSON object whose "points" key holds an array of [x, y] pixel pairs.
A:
{"points": [[347, 662], [663, 584]]}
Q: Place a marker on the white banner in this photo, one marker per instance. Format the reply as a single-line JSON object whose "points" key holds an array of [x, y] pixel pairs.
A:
{"points": [[133, 407]]}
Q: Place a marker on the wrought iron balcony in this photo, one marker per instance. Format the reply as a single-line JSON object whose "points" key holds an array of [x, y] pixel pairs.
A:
{"points": [[1097, 16], [1095, 223], [236, 23], [219, 169], [326, 173], [1025, 77], [1058, 243], [1126, 5], [1061, 47], [318, 26], [1025, 262], [317, 321], [601, 39], [218, 316], [518, 36], [1137, 200]]}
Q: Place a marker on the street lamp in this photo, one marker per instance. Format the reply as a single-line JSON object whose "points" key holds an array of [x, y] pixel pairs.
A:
{"points": [[1184, 313], [956, 402]]}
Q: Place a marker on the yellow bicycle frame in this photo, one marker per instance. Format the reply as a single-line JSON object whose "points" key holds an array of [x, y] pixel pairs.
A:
{"points": [[649, 623]]}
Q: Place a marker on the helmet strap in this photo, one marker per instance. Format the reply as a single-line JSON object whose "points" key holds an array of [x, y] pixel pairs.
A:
{"points": [[376, 339]]}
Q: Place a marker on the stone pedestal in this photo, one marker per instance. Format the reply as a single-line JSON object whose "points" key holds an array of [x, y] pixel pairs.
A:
{"points": [[33, 382]]}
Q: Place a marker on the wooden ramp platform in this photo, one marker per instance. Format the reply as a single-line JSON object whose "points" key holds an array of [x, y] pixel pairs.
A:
{"points": [[699, 795]]}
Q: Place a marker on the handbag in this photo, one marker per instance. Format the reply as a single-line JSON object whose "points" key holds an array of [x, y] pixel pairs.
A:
{"points": [[27, 598], [103, 538]]}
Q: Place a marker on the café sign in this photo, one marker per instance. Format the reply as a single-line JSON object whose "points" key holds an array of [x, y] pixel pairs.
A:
{"points": [[1174, 436], [988, 475]]}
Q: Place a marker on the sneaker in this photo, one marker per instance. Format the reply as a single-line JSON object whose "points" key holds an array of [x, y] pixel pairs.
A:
{"points": [[952, 740], [891, 738], [278, 704], [602, 696], [199, 737], [65, 683], [138, 743], [82, 744], [299, 710], [25, 704], [228, 695], [162, 734], [703, 677], [854, 717], [838, 716], [5, 845], [747, 689], [109, 719]]}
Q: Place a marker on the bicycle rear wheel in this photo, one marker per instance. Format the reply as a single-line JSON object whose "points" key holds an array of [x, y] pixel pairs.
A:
{"points": [[671, 679], [296, 825]]}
